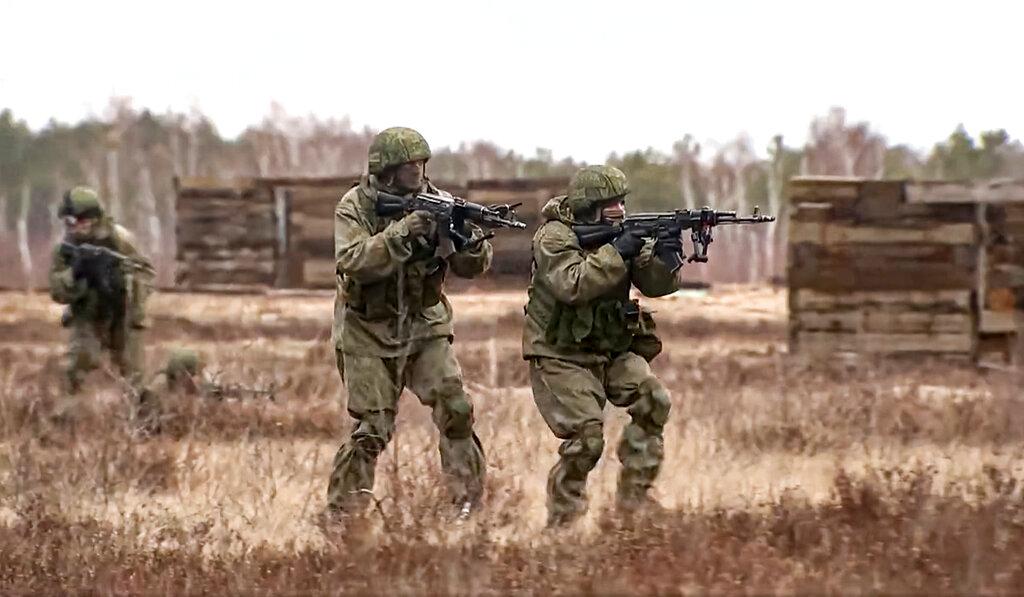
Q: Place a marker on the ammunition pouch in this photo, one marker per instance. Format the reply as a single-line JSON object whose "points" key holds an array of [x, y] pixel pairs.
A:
{"points": [[423, 288], [606, 326], [599, 326], [645, 338]]}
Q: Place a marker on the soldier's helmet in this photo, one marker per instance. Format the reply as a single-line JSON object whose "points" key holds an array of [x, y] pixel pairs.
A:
{"points": [[593, 185], [183, 362], [395, 146], [81, 202]]}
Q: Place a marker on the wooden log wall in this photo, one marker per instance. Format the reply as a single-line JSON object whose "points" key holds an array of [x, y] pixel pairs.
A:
{"points": [[904, 267], [226, 233], [512, 252]]}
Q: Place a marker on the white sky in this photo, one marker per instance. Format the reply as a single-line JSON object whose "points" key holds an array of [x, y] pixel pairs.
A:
{"points": [[580, 78]]}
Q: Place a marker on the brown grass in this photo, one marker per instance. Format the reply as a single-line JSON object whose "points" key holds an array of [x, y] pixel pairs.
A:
{"points": [[781, 475]]}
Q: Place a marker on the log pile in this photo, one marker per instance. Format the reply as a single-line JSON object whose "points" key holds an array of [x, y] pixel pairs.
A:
{"points": [[227, 239], [903, 267]]}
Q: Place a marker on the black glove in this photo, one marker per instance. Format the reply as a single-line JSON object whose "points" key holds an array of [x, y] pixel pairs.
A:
{"points": [[79, 266], [628, 244], [669, 249]]}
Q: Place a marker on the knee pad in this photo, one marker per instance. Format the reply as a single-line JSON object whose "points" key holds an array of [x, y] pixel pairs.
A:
{"points": [[654, 404], [373, 433], [460, 418], [586, 446]]}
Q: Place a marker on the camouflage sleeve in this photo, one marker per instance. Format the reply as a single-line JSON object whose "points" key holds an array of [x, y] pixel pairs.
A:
{"points": [[142, 275], [64, 288], [650, 275], [144, 272], [574, 276], [469, 264], [363, 256]]}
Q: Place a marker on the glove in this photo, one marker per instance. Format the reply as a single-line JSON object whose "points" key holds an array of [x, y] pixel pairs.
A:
{"points": [[628, 244], [668, 248], [79, 266], [419, 223]]}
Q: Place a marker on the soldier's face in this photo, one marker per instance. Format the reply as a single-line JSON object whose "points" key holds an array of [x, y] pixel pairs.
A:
{"points": [[409, 176], [613, 211], [79, 227]]}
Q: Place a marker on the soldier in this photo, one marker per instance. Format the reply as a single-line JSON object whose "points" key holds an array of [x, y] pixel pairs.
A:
{"points": [[393, 325], [587, 343], [105, 281]]}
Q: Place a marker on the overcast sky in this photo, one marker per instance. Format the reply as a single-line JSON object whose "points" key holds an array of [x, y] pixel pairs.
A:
{"points": [[579, 78]]}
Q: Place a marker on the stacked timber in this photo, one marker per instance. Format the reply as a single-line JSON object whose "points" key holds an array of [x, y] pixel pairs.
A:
{"points": [[870, 272], [999, 285], [310, 206], [226, 235], [512, 248]]}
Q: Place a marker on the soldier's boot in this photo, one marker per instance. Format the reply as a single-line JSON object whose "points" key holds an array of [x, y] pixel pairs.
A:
{"points": [[351, 483], [642, 449], [462, 454], [567, 482]]}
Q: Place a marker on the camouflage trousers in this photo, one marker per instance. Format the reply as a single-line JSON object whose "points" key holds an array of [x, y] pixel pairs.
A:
{"points": [[571, 399], [90, 339], [374, 385]]}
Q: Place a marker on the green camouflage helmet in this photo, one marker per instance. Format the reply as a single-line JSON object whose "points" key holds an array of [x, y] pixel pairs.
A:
{"points": [[183, 361], [594, 184], [81, 202], [395, 146]]}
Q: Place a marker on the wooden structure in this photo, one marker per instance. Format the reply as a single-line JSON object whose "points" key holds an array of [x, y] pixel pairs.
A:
{"points": [[512, 252], [256, 233], [905, 267]]}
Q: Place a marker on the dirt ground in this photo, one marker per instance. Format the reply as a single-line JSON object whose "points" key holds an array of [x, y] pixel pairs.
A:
{"points": [[782, 473]]}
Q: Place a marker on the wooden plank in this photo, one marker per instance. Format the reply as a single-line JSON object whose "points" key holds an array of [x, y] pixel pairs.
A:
{"points": [[941, 301], [882, 276], [831, 234], [1005, 275], [917, 323], [824, 188], [996, 191], [884, 343], [318, 273], [997, 322], [814, 212], [886, 322]]}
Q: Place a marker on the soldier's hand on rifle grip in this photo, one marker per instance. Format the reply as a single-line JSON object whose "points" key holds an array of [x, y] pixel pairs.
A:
{"points": [[419, 223], [669, 249], [628, 244]]}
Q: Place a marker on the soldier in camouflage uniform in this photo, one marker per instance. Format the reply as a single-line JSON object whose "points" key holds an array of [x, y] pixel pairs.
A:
{"points": [[587, 343], [393, 324], [96, 326]]}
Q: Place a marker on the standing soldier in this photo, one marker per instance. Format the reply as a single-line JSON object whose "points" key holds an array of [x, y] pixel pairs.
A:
{"points": [[393, 325], [587, 343], [103, 278]]}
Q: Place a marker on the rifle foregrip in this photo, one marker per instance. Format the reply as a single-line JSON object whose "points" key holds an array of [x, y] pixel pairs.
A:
{"points": [[594, 236]]}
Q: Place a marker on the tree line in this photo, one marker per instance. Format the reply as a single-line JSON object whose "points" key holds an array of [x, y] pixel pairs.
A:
{"points": [[131, 156]]}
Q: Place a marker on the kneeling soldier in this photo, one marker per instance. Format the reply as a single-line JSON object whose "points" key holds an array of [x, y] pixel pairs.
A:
{"points": [[587, 343]]}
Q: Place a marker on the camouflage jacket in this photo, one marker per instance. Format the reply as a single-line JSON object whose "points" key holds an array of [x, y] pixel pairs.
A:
{"points": [[578, 298], [390, 290], [139, 276]]}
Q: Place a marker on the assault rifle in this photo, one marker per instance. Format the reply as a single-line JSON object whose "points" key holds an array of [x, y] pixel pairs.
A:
{"points": [[100, 267], [452, 213], [671, 223]]}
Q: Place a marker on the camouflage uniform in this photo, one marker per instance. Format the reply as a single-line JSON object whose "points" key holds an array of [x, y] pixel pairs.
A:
{"points": [[93, 328], [393, 328], [586, 344]]}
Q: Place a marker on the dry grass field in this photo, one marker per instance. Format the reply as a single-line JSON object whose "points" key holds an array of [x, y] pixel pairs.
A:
{"points": [[782, 474]]}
